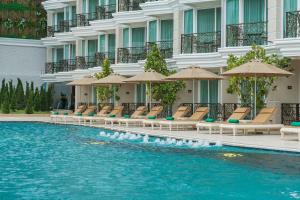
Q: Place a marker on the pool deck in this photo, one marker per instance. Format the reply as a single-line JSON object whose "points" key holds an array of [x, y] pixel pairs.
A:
{"points": [[270, 142]]}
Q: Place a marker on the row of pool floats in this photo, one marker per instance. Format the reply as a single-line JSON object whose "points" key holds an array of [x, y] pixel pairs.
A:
{"points": [[158, 141]]}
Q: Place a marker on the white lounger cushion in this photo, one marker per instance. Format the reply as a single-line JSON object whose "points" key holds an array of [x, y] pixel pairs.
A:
{"points": [[176, 123], [285, 130], [236, 127]]}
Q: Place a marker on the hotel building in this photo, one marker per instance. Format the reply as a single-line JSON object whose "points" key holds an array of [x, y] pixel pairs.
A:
{"points": [[81, 33]]}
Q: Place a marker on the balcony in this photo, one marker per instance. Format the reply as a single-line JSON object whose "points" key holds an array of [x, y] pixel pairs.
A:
{"points": [[85, 62], [64, 26], [200, 42], [105, 11], [247, 34], [84, 19], [60, 66], [131, 54], [165, 47], [292, 29], [100, 56], [127, 5]]}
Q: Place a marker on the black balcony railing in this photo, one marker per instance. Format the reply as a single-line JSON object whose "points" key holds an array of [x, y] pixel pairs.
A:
{"points": [[200, 42], [54, 67], [64, 26], [131, 54], [247, 34], [105, 11], [292, 27], [290, 112], [127, 5], [165, 47], [60, 66], [100, 56], [85, 62], [84, 19], [71, 64]]}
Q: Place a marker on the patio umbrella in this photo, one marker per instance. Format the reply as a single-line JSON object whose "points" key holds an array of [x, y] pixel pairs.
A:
{"points": [[112, 80], [86, 81], [149, 76], [195, 73], [256, 68]]}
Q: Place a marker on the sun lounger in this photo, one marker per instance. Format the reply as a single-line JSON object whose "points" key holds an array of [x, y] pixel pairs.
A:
{"points": [[90, 111], [138, 120], [185, 122], [102, 113], [180, 112], [65, 116], [260, 122], [116, 112], [137, 113], [290, 130], [238, 114]]}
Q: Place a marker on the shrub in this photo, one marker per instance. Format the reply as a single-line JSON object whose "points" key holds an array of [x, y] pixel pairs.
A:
{"points": [[5, 105], [20, 98], [37, 100], [29, 104]]}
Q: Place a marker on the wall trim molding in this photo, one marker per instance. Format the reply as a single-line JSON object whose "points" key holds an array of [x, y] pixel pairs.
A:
{"points": [[21, 42]]}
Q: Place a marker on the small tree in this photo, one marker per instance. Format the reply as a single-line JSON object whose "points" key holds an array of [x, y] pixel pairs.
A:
{"points": [[29, 104], [5, 105], [20, 99], [165, 92], [13, 102], [43, 99], [27, 91], [244, 87], [37, 101], [49, 98], [2, 91], [104, 93]]}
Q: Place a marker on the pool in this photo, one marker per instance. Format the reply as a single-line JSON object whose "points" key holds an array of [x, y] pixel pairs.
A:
{"points": [[45, 161]]}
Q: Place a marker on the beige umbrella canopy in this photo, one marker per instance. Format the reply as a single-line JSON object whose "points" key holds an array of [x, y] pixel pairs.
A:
{"points": [[86, 81], [256, 68], [149, 76], [195, 73], [83, 81], [112, 79]]}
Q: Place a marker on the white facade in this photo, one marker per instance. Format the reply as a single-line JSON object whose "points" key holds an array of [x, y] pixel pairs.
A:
{"points": [[127, 20], [22, 59]]}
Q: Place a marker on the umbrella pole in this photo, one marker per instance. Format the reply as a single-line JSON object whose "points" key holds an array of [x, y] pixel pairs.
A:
{"points": [[193, 95], [150, 96], [255, 96], [147, 95], [208, 96], [114, 94]]}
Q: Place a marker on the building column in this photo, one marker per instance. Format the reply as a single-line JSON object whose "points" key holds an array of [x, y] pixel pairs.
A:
{"points": [[275, 20], [78, 47], [79, 6], [177, 30], [119, 41], [223, 23], [50, 21], [49, 54]]}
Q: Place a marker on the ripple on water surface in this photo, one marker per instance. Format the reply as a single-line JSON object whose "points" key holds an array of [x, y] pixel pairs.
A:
{"points": [[44, 161]]}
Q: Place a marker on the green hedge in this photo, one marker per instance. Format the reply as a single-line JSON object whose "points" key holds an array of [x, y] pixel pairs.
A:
{"points": [[13, 7]]}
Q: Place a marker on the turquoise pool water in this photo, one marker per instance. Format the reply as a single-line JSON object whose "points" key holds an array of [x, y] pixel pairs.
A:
{"points": [[44, 161]]}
